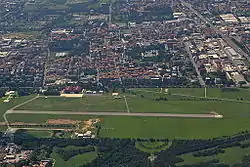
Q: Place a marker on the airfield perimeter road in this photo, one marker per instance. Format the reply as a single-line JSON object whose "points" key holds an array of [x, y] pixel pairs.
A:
{"points": [[112, 114]]}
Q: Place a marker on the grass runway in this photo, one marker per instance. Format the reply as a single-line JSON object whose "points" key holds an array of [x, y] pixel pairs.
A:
{"points": [[236, 115]]}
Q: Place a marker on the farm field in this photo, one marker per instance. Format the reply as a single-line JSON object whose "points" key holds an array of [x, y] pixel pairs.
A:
{"points": [[231, 156]]}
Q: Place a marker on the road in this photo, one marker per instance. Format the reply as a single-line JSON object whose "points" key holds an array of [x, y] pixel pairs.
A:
{"points": [[45, 67], [200, 79], [225, 38], [4, 115], [30, 100], [112, 114]]}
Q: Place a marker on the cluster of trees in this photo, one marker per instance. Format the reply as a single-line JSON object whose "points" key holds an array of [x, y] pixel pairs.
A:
{"points": [[245, 145], [208, 152], [161, 99], [114, 152], [230, 90]]}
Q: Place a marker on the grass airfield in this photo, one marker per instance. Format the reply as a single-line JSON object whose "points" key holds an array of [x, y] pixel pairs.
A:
{"points": [[236, 114]]}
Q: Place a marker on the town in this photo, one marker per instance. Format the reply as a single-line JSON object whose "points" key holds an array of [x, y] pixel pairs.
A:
{"points": [[178, 45], [144, 59]]}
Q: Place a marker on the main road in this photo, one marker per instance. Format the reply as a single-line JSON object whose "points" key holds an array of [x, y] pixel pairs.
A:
{"points": [[114, 114], [200, 79]]}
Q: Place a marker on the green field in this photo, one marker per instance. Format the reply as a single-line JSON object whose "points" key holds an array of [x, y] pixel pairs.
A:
{"points": [[231, 156], [137, 104], [173, 104], [146, 127], [74, 161], [39, 133], [152, 147], [13, 102], [88, 103], [236, 115], [211, 92]]}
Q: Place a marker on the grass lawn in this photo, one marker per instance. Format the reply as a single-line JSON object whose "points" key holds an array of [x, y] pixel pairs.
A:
{"points": [[231, 156], [147, 127], [214, 92], [39, 133], [87, 103], [236, 116], [138, 104], [13, 102], [211, 92], [74, 161], [152, 147]]}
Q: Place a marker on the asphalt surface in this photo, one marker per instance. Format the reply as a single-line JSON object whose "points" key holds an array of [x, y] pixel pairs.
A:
{"points": [[201, 81], [112, 114]]}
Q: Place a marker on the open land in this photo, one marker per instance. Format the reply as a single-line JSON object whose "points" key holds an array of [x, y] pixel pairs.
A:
{"points": [[89, 103], [74, 161], [235, 115], [231, 156]]}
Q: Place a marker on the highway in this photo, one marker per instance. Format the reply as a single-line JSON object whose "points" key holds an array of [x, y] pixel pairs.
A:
{"points": [[225, 38], [112, 114]]}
